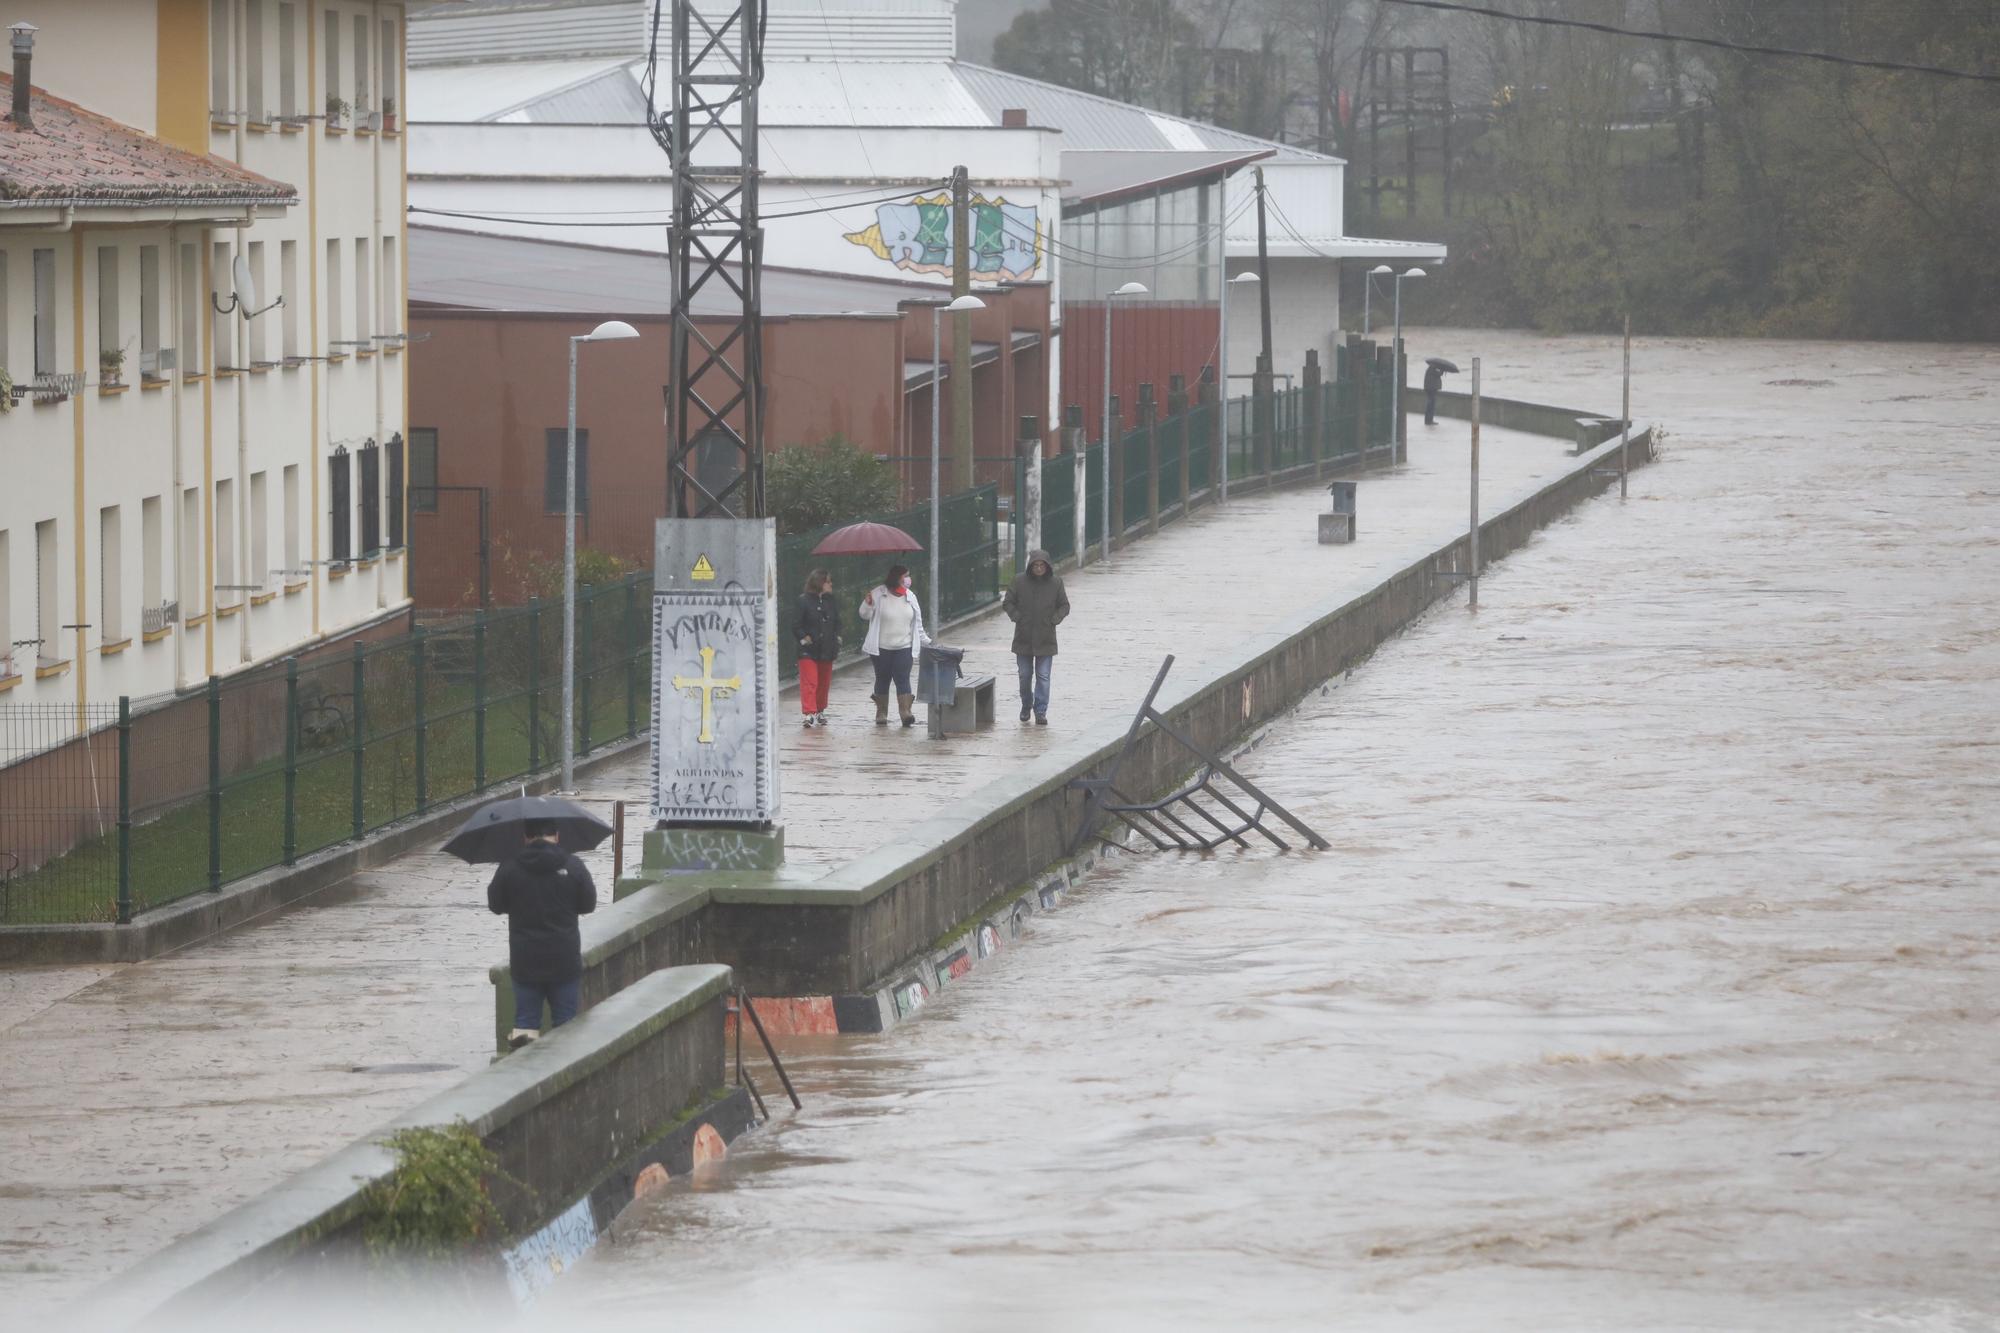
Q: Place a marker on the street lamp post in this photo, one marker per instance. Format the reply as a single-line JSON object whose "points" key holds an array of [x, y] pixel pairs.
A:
{"points": [[609, 331], [1402, 441], [938, 309], [1129, 289], [1222, 403], [1368, 294]]}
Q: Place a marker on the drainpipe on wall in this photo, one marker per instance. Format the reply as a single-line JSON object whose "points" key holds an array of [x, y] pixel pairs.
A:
{"points": [[173, 280], [239, 93], [376, 275]]}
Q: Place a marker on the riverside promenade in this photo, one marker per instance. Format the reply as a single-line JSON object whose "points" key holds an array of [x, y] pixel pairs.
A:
{"points": [[145, 1099]]}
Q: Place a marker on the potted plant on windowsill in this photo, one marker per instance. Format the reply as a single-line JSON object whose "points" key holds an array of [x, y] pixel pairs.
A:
{"points": [[368, 118], [389, 114], [336, 112], [111, 367], [6, 390]]}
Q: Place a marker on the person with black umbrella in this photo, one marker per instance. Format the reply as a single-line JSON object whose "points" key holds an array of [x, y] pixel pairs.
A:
{"points": [[541, 888], [1436, 368]]}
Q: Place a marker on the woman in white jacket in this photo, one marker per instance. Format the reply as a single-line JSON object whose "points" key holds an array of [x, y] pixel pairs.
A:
{"points": [[895, 633]]}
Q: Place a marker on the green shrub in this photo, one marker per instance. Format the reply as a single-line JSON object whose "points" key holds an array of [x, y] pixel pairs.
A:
{"points": [[808, 486], [436, 1204]]}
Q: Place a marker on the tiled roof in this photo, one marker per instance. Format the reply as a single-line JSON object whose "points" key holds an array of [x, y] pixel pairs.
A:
{"points": [[74, 156]]}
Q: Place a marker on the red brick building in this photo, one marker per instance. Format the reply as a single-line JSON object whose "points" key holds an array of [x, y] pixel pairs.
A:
{"points": [[843, 356]]}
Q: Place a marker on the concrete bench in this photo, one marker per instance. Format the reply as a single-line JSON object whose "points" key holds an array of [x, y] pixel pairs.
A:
{"points": [[971, 707]]}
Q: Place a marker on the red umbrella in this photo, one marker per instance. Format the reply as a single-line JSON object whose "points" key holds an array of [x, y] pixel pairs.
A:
{"points": [[866, 539]]}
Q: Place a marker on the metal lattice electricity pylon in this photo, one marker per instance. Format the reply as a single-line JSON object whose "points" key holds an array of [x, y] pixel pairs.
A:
{"points": [[715, 399]]}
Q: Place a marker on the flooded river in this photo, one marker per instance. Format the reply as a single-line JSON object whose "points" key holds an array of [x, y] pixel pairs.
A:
{"points": [[1650, 981]]}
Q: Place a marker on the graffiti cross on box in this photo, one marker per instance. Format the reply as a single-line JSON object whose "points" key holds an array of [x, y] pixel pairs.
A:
{"points": [[714, 672]]}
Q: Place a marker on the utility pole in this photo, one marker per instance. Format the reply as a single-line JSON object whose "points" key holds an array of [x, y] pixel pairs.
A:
{"points": [[715, 393], [963, 470], [1261, 385]]}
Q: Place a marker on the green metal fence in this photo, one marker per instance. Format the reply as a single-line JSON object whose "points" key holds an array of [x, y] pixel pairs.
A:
{"points": [[260, 769]]}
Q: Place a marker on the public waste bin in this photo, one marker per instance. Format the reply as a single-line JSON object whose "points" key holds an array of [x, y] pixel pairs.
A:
{"points": [[937, 674]]}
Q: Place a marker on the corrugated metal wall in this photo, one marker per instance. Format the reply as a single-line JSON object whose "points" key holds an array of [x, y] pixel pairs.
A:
{"points": [[617, 27], [1150, 342], [910, 30]]}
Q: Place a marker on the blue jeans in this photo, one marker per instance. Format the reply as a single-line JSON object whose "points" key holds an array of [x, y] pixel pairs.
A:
{"points": [[562, 1000], [892, 667], [1035, 681]]}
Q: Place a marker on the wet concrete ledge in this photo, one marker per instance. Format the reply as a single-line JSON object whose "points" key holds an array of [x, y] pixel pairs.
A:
{"points": [[848, 931], [1586, 429], [574, 1117]]}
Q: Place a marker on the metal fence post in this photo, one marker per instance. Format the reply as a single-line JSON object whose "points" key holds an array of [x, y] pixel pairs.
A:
{"points": [[1149, 421], [360, 728], [1313, 401], [479, 702], [214, 784], [124, 810], [584, 642], [1177, 413], [631, 637], [1473, 534], [291, 760], [417, 700], [534, 683]]}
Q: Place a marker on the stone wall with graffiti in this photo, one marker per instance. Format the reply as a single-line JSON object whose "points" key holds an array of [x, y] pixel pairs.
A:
{"points": [[915, 237]]}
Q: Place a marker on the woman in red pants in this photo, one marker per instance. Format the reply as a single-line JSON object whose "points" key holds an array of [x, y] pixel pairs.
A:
{"points": [[816, 625]]}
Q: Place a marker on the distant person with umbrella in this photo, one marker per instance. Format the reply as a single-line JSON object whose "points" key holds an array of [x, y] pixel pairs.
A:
{"points": [[816, 625], [1435, 369], [895, 632], [541, 888]]}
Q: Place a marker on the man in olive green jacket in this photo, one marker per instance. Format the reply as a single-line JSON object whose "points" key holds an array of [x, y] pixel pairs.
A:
{"points": [[1036, 603]]}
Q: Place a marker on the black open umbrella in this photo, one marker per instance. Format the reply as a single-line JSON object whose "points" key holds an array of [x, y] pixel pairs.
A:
{"points": [[1447, 367], [495, 832]]}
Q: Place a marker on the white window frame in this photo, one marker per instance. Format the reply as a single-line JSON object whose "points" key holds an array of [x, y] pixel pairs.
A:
{"points": [[225, 543], [288, 277], [188, 354], [291, 524], [151, 554], [108, 330], [149, 312], [110, 576], [46, 342]]}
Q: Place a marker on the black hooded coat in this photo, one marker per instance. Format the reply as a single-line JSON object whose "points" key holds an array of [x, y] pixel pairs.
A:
{"points": [[542, 892], [1036, 603]]}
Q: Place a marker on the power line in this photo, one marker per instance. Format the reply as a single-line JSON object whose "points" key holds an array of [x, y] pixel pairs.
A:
{"points": [[1825, 57], [637, 222]]}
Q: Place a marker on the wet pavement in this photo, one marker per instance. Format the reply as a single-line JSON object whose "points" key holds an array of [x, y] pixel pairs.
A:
{"points": [[143, 1100], [1649, 982]]}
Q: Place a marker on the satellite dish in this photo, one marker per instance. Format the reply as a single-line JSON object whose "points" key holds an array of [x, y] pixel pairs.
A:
{"points": [[246, 287]]}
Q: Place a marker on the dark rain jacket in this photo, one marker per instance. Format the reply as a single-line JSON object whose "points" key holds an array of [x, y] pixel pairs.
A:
{"points": [[816, 626], [542, 892], [1433, 380], [1036, 604]]}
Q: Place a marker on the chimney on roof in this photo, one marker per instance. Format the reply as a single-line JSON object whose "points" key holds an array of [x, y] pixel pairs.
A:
{"points": [[24, 59], [1014, 118]]}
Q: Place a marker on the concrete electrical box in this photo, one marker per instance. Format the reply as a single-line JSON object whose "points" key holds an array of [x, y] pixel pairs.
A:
{"points": [[715, 671]]}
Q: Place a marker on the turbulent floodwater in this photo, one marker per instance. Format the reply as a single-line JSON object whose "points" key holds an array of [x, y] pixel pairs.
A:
{"points": [[1649, 983]]}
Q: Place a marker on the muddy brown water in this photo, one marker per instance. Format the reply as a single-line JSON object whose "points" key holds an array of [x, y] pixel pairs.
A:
{"points": [[1649, 983]]}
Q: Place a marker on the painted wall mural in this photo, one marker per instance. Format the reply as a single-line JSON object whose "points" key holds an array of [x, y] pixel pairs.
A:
{"points": [[916, 237]]}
